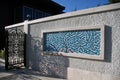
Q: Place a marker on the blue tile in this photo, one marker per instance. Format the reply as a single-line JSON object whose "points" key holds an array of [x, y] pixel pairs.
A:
{"points": [[80, 41]]}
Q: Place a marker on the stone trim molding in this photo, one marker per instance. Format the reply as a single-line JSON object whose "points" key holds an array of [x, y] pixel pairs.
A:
{"points": [[74, 55], [14, 25]]}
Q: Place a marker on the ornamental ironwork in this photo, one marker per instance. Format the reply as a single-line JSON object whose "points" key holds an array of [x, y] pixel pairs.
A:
{"points": [[15, 48]]}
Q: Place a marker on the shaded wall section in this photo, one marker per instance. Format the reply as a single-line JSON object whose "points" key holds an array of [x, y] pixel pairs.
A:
{"points": [[46, 65]]}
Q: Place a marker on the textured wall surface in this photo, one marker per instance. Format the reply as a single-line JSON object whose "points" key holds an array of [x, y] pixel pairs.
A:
{"points": [[56, 65]]}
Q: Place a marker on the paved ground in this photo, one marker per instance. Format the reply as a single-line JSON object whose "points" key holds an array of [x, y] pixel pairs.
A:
{"points": [[21, 74]]}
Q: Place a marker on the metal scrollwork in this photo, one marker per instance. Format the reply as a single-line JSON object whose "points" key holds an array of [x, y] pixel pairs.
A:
{"points": [[15, 47]]}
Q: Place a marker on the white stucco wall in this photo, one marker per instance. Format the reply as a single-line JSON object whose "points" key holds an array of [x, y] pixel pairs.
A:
{"points": [[112, 42]]}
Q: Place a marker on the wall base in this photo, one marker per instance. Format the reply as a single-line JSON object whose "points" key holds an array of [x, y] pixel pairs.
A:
{"points": [[78, 74]]}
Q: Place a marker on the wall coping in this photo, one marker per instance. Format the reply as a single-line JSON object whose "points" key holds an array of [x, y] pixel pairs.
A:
{"points": [[94, 10], [99, 9], [15, 25]]}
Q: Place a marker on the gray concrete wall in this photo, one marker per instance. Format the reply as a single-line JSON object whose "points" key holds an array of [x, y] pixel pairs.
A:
{"points": [[65, 67]]}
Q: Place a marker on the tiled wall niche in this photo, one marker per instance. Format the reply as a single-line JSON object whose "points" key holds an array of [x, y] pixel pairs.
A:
{"points": [[82, 42]]}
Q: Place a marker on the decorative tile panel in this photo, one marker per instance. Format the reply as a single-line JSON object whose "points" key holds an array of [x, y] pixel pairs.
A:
{"points": [[79, 41], [83, 42]]}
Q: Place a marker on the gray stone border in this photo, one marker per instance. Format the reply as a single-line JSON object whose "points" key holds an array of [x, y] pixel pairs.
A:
{"points": [[87, 56]]}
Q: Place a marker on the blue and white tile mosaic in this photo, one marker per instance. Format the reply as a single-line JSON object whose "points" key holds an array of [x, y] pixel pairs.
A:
{"points": [[78, 41]]}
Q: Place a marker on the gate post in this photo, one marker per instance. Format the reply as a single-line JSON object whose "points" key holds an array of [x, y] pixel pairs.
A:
{"points": [[26, 26], [25, 29], [6, 50]]}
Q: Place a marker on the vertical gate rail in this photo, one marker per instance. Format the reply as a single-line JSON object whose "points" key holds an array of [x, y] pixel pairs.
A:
{"points": [[15, 48], [6, 49]]}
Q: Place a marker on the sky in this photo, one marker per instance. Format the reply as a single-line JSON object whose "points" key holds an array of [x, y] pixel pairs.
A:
{"points": [[72, 5]]}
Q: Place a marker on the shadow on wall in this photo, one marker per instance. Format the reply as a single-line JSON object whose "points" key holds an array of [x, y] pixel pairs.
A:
{"points": [[47, 65], [108, 44]]}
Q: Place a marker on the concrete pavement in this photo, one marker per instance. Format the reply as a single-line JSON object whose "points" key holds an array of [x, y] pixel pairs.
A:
{"points": [[21, 74]]}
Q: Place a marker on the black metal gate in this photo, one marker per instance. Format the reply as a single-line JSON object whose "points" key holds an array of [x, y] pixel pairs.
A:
{"points": [[15, 48]]}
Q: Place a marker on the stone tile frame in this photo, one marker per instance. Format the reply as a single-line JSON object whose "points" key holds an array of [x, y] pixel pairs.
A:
{"points": [[75, 55]]}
